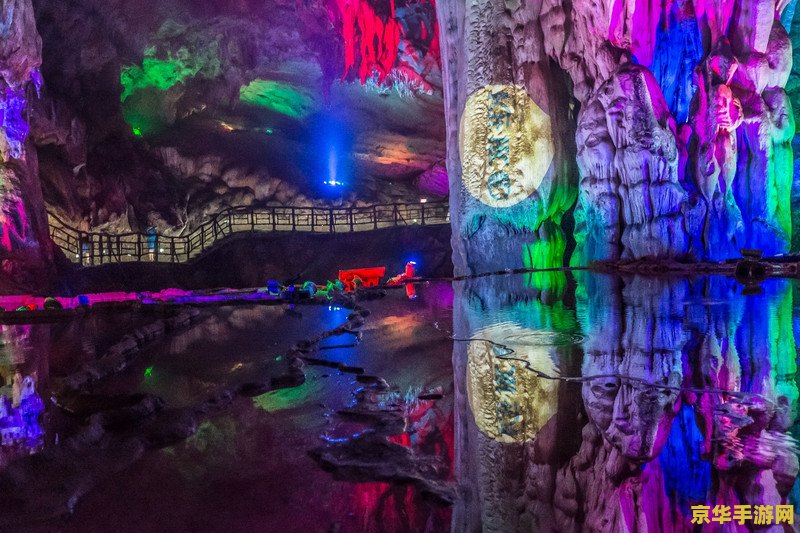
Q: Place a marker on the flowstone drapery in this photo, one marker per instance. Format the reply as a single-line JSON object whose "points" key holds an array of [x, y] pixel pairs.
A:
{"points": [[25, 250], [681, 123]]}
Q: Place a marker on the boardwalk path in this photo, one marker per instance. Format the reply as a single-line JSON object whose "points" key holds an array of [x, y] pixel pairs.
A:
{"points": [[99, 248]]}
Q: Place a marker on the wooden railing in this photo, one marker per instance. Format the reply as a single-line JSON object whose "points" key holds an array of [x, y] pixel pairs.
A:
{"points": [[90, 248]]}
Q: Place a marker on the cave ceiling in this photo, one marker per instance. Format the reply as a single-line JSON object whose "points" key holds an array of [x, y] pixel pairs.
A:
{"points": [[162, 113]]}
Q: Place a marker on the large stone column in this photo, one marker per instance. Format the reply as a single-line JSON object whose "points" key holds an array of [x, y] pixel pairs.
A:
{"points": [[25, 249], [510, 136]]}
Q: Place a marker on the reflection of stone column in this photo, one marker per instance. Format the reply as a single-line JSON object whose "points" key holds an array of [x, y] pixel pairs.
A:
{"points": [[633, 404], [606, 460], [746, 347], [502, 407], [511, 179], [26, 349], [632, 368]]}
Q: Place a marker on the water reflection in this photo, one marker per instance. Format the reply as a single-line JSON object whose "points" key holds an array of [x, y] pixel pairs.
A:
{"points": [[21, 432], [31, 357], [606, 403], [22, 364]]}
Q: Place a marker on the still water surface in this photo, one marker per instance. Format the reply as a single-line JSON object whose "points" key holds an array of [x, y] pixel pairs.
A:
{"points": [[572, 402]]}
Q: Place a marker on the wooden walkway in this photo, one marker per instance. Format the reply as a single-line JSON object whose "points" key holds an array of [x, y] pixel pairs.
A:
{"points": [[89, 248]]}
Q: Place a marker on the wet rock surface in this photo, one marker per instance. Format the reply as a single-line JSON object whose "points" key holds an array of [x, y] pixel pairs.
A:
{"points": [[104, 434], [372, 457]]}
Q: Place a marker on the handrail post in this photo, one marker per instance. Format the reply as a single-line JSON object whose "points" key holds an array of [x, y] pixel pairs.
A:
{"points": [[294, 221], [423, 214], [375, 216], [350, 212], [330, 219], [274, 216]]}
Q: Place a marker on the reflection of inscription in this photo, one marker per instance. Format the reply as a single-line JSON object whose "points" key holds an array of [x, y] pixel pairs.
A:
{"points": [[509, 403], [505, 382], [506, 145]]}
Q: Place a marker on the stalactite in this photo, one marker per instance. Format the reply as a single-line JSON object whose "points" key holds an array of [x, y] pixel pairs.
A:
{"points": [[378, 44]]}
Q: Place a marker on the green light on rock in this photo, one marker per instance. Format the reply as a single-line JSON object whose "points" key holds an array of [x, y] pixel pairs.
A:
{"points": [[268, 130], [163, 73], [148, 372], [284, 98], [282, 399], [137, 132]]}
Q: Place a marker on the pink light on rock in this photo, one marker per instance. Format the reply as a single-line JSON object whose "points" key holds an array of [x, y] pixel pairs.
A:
{"points": [[434, 181], [381, 44], [14, 224], [376, 40]]}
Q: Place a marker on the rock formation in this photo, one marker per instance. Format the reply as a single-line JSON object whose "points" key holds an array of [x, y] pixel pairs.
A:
{"points": [[25, 250], [682, 136], [510, 150], [163, 113]]}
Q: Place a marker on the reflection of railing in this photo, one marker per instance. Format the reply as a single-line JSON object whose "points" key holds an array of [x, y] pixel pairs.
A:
{"points": [[89, 248]]}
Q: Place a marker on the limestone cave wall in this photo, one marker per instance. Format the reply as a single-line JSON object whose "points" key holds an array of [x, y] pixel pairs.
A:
{"points": [[165, 113], [575, 131], [676, 114], [26, 253]]}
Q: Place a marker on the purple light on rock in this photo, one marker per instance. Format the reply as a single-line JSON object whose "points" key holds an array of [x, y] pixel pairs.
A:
{"points": [[12, 121]]}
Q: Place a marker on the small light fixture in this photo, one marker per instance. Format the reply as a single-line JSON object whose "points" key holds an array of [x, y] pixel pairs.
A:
{"points": [[423, 200]]}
